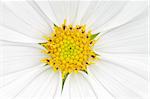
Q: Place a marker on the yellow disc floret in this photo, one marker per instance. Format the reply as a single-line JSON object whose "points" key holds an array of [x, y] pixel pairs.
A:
{"points": [[69, 48]]}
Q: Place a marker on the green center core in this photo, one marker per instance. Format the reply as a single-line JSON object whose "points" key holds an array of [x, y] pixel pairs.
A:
{"points": [[69, 50]]}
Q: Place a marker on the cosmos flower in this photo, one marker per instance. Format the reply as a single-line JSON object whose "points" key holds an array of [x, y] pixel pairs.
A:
{"points": [[73, 49]]}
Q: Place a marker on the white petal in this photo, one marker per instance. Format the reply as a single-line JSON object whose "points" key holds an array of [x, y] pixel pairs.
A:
{"points": [[128, 13], [101, 91], [47, 10], [128, 38], [30, 79], [51, 87], [135, 63], [123, 59], [82, 7], [78, 87], [10, 35], [64, 10], [44, 86], [119, 82], [22, 18], [19, 56], [37, 8], [10, 78], [90, 9], [100, 12]]}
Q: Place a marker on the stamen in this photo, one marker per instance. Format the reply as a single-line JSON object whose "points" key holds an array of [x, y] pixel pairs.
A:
{"points": [[69, 49]]}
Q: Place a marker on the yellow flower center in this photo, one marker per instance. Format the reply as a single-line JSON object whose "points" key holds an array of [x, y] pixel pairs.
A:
{"points": [[69, 49]]}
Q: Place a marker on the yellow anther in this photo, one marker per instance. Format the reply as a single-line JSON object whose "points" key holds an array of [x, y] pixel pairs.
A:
{"points": [[76, 71], [46, 37], [54, 68], [65, 21], [44, 60]]}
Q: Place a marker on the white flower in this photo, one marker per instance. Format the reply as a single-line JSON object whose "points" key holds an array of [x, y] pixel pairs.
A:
{"points": [[121, 73]]}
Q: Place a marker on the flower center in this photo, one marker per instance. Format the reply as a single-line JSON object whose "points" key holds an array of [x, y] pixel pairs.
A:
{"points": [[69, 49]]}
